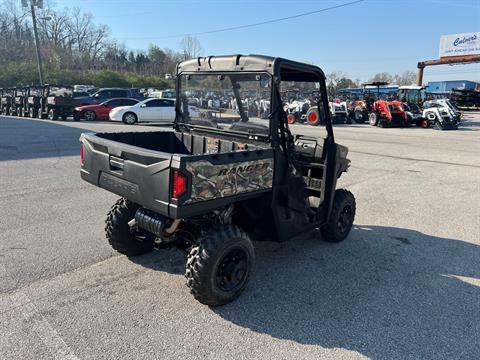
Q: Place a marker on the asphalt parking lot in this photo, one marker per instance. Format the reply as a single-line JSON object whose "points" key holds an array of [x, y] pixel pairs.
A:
{"points": [[404, 285]]}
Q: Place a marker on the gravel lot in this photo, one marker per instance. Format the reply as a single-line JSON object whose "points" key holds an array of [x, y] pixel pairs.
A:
{"points": [[404, 285]]}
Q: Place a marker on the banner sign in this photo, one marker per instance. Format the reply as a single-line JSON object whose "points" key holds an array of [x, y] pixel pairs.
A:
{"points": [[460, 44]]}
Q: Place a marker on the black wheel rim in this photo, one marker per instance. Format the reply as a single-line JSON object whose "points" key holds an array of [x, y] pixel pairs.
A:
{"points": [[345, 219], [232, 270]]}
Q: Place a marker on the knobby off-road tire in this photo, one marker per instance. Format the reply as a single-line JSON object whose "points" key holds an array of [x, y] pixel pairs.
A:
{"points": [[342, 217], [120, 236], [382, 123], [219, 266], [358, 116]]}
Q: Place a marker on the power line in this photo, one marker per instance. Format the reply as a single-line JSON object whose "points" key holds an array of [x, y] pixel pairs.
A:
{"points": [[248, 25]]}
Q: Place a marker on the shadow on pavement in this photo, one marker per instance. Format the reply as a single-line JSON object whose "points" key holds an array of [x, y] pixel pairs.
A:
{"points": [[23, 138], [385, 293]]}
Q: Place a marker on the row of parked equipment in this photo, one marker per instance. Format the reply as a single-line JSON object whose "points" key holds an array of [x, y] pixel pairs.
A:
{"points": [[410, 105], [57, 101], [52, 101]]}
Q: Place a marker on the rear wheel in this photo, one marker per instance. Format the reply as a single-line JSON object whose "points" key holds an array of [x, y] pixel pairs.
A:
{"points": [[341, 218], [313, 117], [53, 114], [31, 112], [40, 113], [129, 118], [122, 238], [90, 115], [372, 119], [219, 266]]}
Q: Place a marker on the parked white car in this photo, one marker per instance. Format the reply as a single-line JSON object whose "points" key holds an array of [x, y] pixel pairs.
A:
{"points": [[162, 94], [161, 110]]}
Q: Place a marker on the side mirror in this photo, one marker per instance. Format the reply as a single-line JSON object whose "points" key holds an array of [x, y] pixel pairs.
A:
{"points": [[143, 105], [97, 96]]}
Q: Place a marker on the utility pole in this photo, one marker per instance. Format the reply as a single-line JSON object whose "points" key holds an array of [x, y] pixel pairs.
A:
{"points": [[39, 4]]}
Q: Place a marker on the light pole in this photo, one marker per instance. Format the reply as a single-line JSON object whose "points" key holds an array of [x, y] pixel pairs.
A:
{"points": [[39, 4]]}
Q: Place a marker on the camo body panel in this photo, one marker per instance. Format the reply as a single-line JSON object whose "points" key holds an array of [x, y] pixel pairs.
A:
{"points": [[217, 181]]}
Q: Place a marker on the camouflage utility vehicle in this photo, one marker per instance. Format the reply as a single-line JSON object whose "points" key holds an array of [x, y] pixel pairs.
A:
{"points": [[212, 185], [6, 96], [56, 102], [32, 102], [18, 101]]}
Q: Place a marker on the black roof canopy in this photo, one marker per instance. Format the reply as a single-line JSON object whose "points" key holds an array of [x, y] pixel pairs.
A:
{"points": [[288, 70]]}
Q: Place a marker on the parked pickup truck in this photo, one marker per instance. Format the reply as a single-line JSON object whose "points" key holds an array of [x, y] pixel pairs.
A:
{"points": [[212, 185]]}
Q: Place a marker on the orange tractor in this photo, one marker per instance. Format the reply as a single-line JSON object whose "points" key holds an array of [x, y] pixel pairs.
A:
{"points": [[378, 110]]}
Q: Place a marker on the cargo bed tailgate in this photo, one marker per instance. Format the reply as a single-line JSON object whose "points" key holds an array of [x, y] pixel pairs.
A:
{"points": [[132, 172]]}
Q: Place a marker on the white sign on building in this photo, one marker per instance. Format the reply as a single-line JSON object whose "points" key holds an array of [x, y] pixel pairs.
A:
{"points": [[460, 44]]}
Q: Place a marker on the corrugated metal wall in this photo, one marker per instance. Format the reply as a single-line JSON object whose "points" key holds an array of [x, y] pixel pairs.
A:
{"points": [[447, 86]]}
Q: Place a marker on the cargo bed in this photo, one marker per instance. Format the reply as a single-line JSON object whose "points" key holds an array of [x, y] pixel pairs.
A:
{"points": [[139, 165]]}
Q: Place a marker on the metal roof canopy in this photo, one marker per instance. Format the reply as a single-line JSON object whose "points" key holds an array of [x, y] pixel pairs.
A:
{"points": [[451, 60]]}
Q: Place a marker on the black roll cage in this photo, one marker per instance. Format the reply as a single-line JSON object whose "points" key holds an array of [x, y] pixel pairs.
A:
{"points": [[278, 68]]}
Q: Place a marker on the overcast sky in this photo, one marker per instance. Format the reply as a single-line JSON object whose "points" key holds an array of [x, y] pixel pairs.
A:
{"points": [[359, 39]]}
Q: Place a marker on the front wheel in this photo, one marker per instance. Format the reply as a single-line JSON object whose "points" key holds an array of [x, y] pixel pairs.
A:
{"points": [[341, 218], [124, 239], [129, 118], [219, 266], [372, 119], [90, 115], [358, 116], [382, 123]]}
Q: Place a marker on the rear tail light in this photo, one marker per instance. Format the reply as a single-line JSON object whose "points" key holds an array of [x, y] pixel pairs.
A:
{"points": [[179, 184], [82, 155]]}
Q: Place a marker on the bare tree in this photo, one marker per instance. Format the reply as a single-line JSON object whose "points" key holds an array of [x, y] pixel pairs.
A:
{"points": [[407, 77], [382, 77], [190, 47]]}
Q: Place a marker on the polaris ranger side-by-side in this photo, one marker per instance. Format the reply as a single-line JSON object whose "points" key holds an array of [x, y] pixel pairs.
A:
{"points": [[32, 103], [211, 187], [6, 97], [18, 101], [56, 102]]}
